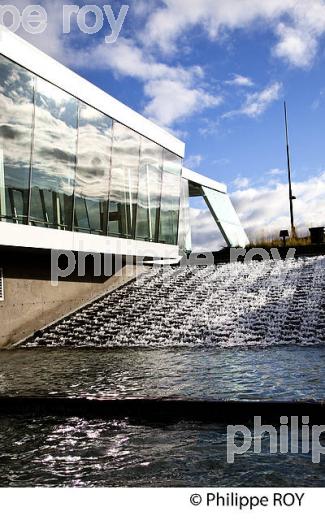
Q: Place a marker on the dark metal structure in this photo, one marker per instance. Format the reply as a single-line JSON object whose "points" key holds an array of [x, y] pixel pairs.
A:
{"points": [[291, 196]]}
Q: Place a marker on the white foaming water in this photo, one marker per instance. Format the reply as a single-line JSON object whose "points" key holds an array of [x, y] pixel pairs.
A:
{"points": [[255, 304]]}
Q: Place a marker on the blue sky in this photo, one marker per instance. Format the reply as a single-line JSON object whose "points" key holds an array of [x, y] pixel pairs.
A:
{"points": [[216, 72]]}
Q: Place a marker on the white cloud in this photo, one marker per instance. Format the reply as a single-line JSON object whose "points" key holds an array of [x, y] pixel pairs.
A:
{"points": [[172, 92], [265, 210], [141, 8], [176, 17], [205, 233], [319, 100], [258, 102], [297, 25], [240, 81], [173, 100], [211, 127], [295, 46], [127, 59], [193, 161], [275, 172], [241, 182], [223, 161]]}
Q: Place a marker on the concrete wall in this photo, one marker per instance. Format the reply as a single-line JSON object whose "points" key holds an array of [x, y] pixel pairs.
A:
{"points": [[31, 302]]}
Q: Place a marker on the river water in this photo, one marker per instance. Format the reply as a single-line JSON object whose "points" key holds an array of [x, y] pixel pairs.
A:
{"points": [[239, 332], [54, 451]]}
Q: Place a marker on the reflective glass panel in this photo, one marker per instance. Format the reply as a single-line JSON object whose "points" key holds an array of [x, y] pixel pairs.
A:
{"points": [[54, 157], [170, 199], [16, 119], [149, 191], [226, 217], [93, 171], [184, 233], [124, 181]]}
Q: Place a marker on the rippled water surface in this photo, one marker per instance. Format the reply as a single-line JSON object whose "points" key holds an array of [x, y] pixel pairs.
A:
{"points": [[53, 451], [75, 452], [282, 373], [201, 322]]}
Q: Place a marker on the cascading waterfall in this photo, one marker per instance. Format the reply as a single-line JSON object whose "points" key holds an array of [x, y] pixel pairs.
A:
{"points": [[255, 304]]}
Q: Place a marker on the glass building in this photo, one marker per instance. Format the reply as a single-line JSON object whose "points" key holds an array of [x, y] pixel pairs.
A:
{"points": [[67, 166], [77, 162]]}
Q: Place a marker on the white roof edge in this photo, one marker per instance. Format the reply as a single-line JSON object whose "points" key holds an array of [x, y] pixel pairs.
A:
{"points": [[201, 180], [19, 235], [20, 51]]}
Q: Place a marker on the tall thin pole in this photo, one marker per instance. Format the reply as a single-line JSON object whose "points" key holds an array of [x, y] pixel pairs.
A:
{"points": [[291, 197]]}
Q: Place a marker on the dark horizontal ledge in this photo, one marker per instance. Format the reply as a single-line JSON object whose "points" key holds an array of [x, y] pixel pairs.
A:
{"points": [[164, 410]]}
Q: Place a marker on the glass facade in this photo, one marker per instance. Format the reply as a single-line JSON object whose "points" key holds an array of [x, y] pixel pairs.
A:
{"points": [[65, 165], [16, 127], [123, 195], [170, 198], [54, 157], [150, 176], [184, 232], [226, 217], [93, 171]]}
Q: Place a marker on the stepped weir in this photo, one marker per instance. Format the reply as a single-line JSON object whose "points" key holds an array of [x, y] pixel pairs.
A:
{"points": [[255, 304]]}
